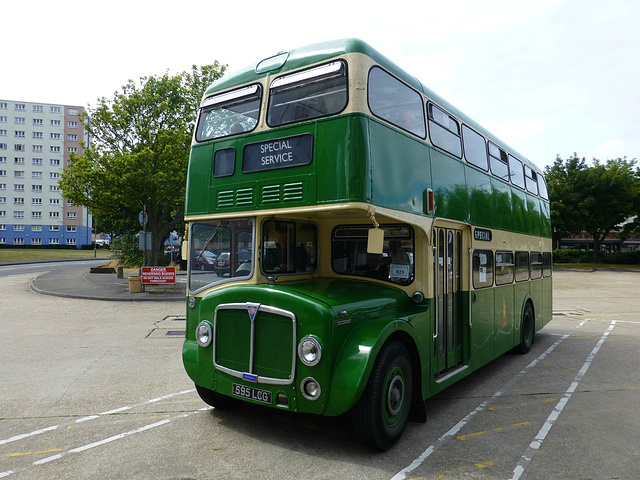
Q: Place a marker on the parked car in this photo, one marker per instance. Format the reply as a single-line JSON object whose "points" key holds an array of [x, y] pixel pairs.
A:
{"points": [[204, 260], [223, 264]]}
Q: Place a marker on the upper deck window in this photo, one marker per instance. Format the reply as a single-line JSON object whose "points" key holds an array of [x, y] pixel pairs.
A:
{"points": [[542, 185], [308, 94], [517, 174], [395, 102], [475, 148], [444, 131], [531, 179], [229, 113], [498, 162]]}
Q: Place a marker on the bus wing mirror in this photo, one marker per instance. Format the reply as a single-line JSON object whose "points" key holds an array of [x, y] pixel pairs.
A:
{"points": [[375, 240], [185, 249]]}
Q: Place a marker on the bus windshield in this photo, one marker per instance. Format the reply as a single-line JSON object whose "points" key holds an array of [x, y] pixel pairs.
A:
{"points": [[229, 113], [220, 251]]}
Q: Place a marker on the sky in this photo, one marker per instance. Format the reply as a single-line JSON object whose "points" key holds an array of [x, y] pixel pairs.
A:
{"points": [[548, 77]]}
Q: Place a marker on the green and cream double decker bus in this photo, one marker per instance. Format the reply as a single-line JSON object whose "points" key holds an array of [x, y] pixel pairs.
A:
{"points": [[356, 244]]}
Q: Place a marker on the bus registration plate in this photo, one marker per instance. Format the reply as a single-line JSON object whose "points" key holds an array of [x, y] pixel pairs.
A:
{"points": [[252, 393]]}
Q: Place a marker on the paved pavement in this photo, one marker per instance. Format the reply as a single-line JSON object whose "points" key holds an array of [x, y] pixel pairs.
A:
{"points": [[81, 283]]}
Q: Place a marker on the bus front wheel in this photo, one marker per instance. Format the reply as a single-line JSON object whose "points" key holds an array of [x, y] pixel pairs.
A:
{"points": [[216, 400], [381, 414], [527, 330]]}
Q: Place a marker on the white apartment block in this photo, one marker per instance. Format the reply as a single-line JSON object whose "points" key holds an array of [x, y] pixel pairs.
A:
{"points": [[36, 140]]}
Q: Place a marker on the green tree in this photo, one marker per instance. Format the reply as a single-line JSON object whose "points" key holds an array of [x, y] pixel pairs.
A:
{"points": [[593, 199], [138, 153]]}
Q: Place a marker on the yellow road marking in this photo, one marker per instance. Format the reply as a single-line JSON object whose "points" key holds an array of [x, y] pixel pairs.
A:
{"points": [[33, 453]]}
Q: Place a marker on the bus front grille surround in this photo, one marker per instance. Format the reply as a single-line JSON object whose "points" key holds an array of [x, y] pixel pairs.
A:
{"points": [[244, 338]]}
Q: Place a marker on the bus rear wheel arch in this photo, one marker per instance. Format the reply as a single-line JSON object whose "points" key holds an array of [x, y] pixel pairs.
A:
{"points": [[381, 414], [527, 329]]}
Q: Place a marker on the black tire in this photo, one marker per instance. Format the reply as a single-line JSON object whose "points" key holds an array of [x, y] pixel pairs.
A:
{"points": [[220, 402], [527, 330], [380, 416]]}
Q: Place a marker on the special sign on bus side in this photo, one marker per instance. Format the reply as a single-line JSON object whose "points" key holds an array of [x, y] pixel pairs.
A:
{"points": [[282, 152]]}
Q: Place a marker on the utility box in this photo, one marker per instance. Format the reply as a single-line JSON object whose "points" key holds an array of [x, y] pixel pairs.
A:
{"points": [[135, 286]]}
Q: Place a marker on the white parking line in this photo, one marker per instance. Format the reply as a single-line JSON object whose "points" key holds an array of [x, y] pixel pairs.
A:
{"points": [[457, 427], [91, 417], [544, 431], [108, 440]]}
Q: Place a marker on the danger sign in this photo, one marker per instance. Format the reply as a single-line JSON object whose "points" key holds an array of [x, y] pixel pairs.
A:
{"points": [[150, 275]]}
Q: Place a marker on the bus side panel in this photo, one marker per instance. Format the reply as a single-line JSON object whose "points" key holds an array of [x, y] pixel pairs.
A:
{"points": [[506, 318], [198, 179], [400, 168], [482, 332], [449, 186], [342, 160], [480, 204], [502, 205], [547, 308], [536, 290]]}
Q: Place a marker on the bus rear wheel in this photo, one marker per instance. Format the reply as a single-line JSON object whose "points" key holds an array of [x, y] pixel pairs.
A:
{"points": [[216, 400], [380, 416], [527, 330]]}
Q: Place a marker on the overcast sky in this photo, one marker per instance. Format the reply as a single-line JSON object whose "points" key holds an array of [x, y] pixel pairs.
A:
{"points": [[548, 77]]}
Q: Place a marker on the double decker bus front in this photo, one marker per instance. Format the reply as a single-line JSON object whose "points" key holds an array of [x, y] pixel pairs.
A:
{"points": [[286, 305]]}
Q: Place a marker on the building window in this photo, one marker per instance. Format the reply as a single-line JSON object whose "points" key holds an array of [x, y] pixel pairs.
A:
{"points": [[55, 123], [72, 124], [72, 215], [38, 122], [37, 109], [55, 109], [20, 107], [19, 133]]}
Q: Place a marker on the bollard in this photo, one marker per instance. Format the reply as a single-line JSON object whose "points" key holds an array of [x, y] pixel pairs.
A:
{"points": [[120, 272]]}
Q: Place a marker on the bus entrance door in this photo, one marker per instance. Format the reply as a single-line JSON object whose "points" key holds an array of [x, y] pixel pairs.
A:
{"points": [[447, 244]]}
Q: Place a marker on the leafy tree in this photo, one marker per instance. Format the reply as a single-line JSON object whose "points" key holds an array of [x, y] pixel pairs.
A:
{"points": [[138, 153], [594, 199]]}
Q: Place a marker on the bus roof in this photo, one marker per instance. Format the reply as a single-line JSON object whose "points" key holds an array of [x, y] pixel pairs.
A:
{"points": [[319, 52]]}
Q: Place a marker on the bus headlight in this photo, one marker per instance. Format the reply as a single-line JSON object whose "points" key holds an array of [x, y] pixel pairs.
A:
{"points": [[309, 351], [310, 388], [204, 334]]}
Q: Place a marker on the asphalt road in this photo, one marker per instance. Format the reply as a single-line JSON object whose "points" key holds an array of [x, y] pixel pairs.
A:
{"points": [[95, 389]]}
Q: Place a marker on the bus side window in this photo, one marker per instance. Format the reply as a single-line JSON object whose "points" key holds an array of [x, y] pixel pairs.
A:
{"points": [[536, 265], [475, 148], [522, 266], [504, 268], [444, 131], [546, 264], [396, 102], [498, 162], [531, 180], [516, 173], [482, 268]]}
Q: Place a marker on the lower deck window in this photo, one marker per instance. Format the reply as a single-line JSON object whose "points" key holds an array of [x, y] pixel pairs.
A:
{"points": [[482, 268], [396, 264], [289, 246]]}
